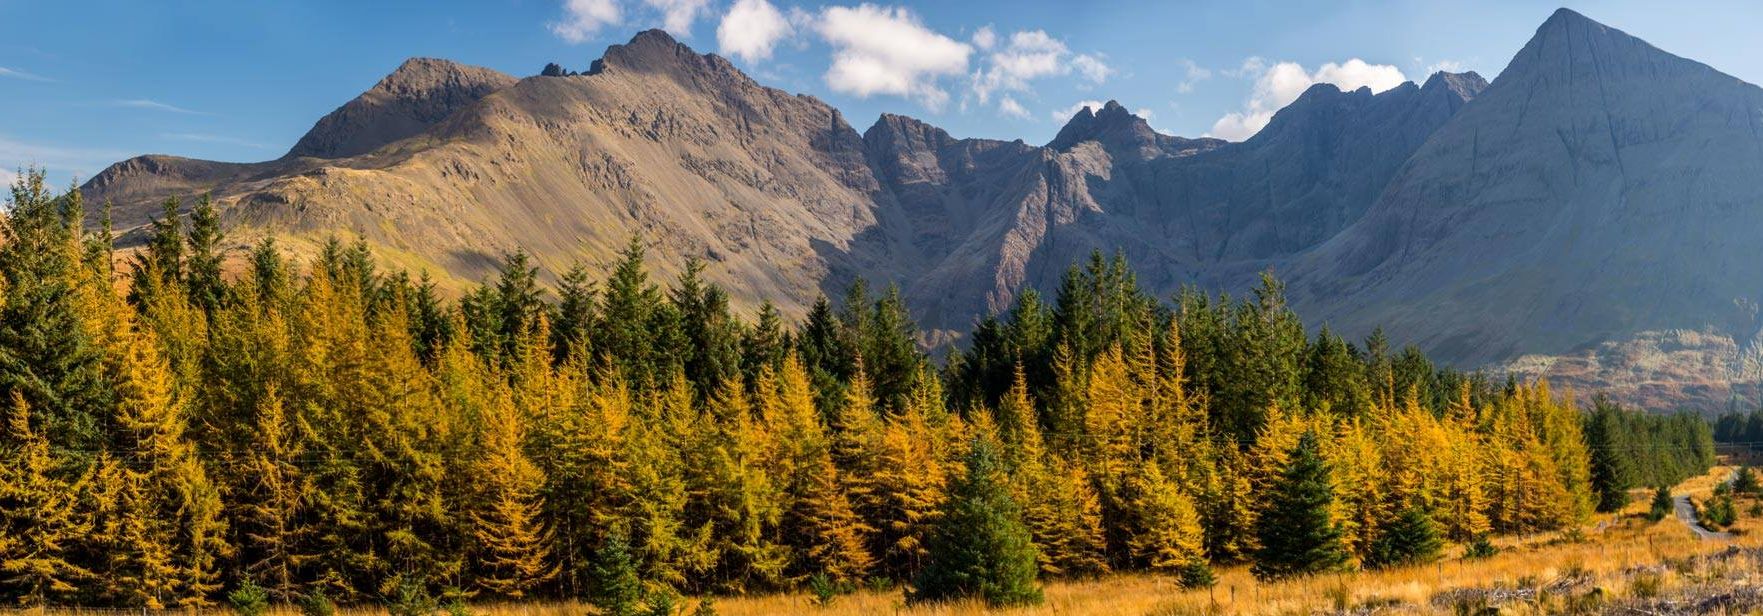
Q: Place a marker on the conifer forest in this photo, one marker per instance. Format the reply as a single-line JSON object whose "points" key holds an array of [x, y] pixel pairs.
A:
{"points": [[183, 427]]}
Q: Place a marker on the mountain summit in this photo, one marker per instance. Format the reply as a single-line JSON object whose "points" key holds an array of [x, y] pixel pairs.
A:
{"points": [[1601, 191], [420, 93], [1587, 216]]}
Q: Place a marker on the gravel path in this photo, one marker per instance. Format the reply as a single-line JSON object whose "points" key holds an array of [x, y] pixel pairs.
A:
{"points": [[1687, 514]]}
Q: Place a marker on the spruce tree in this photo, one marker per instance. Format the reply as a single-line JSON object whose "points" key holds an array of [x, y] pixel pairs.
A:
{"points": [[1411, 538], [1296, 532], [616, 589], [980, 548], [1661, 505]]}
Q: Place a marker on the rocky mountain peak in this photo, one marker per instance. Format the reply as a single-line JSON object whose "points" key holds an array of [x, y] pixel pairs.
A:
{"points": [[1117, 129], [420, 93], [892, 131], [1465, 86], [657, 52], [1569, 44]]}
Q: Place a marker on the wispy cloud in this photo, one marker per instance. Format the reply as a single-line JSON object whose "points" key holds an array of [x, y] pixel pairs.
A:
{"points": [[583, 19], [150, 104], [220, 139], [1195, 75], [18, 74], [62, 162]]}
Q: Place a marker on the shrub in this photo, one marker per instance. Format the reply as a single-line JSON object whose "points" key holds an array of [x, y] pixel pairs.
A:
{"points": [[411, 599], [248, 599], [1480, 548], [1661, 506], [823, 588], [1744, 481], [317, 603]]}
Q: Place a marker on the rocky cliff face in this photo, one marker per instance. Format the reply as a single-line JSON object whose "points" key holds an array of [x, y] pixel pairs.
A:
{"points": [[1600, 191]]}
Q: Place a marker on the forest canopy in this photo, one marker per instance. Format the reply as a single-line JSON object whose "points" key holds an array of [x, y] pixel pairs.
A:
{"points": [[328, 429]]}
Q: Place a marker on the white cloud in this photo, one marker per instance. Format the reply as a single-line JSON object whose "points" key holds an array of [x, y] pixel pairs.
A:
{"points": [[1449, 66], [751, 30], [1091, 67], [582, 19], [886, 50], [1008, 106], [1278, 85], [985, 38], [1064, 115], [1195, 74], [1146, 113], [1029, 55], [1252, 66], [143, 103], [7, 178], [18, 74], [677, 16]]}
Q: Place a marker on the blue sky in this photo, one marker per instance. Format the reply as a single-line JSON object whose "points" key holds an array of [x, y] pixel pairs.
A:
{"points": [[84, 84]]}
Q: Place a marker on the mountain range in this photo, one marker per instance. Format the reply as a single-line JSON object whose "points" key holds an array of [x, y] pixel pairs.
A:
{"points": [[1591, 215]]}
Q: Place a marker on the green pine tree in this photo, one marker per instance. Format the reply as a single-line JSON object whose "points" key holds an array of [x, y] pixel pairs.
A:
{"points": [[1411, 538], [1295, 532], [980, 548], [617, 590], [1661, 506]]}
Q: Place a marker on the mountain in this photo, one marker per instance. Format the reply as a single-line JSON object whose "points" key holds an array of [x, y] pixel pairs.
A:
{"points": [[1593, 212], [444, 166], [1583, 217]]}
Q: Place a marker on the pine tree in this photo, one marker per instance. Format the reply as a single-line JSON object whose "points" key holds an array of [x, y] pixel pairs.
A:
{"points": [[1064, 516], [202, 273], [1164, 528], [48, 351], [907, 486], [272, 506], [41, 522], [1411, 538], [178, 509], [1661, 505], [980, 547], [1295, 532], [513, 542], [824, 530], [616, 590]]}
